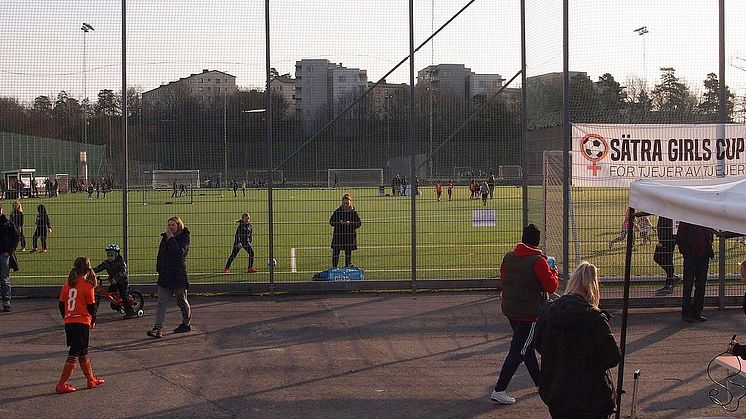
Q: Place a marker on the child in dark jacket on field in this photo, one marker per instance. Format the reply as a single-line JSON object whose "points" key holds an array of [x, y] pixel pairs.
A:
{"points": [[43, 226], [116, 268]]}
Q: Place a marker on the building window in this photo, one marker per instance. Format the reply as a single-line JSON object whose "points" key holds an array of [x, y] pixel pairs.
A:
{"points": [[200, 79]]}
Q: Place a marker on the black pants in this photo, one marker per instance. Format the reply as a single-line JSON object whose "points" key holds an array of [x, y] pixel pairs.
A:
{"points": [[237, 248], [521, 351], [695, 276], [21, 237], [121, 287], [335, 256], [40, 233]]}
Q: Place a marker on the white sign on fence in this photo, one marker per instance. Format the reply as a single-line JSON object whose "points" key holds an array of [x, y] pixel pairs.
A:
{"points": [[614, 155]]}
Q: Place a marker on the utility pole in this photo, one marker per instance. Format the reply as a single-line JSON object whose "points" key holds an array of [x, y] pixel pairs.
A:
{"points": [[84, 154]]}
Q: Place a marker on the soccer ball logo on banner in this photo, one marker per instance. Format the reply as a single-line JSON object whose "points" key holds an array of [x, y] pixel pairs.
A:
{"points": [[594, 148]]}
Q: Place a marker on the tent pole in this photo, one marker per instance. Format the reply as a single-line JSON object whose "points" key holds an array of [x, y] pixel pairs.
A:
{"points": [[625, 308]]}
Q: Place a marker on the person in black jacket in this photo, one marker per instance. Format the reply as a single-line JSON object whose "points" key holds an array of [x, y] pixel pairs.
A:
{"points": [[172, 276], [16, 217], [116, 268], [345, 221], [8, 243], [43, 226], [577, 350], [242, 240], [663, 255]]}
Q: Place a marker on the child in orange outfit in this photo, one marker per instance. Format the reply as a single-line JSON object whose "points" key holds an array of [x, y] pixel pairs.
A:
{"points": [[78, 308]]}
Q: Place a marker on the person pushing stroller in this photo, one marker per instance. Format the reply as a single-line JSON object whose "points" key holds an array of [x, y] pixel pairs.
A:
{"points": [[116, 268]]}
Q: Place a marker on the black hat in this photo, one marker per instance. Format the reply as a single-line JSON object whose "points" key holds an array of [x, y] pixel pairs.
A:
{"points": [[531, 235]]}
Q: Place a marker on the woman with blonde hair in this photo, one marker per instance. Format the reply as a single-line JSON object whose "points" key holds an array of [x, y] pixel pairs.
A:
{"points": [[173, 281], [577, 350]]}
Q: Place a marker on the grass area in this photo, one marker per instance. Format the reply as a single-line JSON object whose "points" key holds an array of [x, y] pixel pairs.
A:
{"points": [[448, 244]]}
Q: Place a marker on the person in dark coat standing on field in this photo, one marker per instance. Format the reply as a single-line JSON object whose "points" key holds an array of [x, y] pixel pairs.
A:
{"points": [[526, 279], [16, 217], [577, 350], [695, 244], [242, 240], [345, 221], [43, 226], [172, 276]]}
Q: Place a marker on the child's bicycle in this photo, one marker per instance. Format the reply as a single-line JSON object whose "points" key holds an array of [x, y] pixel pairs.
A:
{"points": [[115, 300]]}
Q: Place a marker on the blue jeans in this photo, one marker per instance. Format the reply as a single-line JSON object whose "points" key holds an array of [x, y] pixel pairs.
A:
{"points": [[5, 279], [695, 275], [521, 350]]}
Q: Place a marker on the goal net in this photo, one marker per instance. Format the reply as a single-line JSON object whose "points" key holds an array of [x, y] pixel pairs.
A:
{"points": [[554, 212], [164, 179], [354, 177]]}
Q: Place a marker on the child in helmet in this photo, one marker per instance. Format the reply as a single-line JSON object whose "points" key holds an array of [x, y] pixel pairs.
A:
{"points": [[116, 268]]}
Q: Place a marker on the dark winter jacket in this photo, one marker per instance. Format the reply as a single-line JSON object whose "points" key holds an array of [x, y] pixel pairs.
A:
{"points": [[526, 278], [244, 234], [8, 235], [694, 241], [16, 218], [116, 269], [344, 236], [577, 350], [171, 262], [42, 222]]}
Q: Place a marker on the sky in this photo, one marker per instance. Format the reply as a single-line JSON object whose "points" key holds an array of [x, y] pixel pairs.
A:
{"points": [[41, 44]]}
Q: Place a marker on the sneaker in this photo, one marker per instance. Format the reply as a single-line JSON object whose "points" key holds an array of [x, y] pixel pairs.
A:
{"points": [[226, 271], [252, 270], [502, 397], [44, 251], [155, 332], [687, 318], [183, 328], [64, 388], [23, 250], [6, 309], [34, 250], [666, 290], [95, 382]]}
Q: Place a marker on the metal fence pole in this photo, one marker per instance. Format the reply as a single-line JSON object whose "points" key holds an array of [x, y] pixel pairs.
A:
{"points": [[125, 148], [722, 119], [268, 115], [566, 141], [524, 118], [412, 147]]}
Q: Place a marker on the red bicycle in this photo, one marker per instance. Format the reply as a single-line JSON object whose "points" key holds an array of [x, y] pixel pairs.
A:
{"points": [[115, 300]]}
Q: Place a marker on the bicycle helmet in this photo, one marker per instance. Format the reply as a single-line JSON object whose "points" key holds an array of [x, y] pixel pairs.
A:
{"points": [[112, 248]]}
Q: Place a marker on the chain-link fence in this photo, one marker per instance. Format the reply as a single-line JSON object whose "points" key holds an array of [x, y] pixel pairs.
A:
{"points": [[444, 158]]}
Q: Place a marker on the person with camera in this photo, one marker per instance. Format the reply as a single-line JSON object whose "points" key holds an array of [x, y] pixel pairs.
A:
{"points": [[526, 279]]}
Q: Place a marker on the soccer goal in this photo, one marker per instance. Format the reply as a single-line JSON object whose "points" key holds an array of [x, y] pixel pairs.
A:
{"points": [[554, 212], [165, 186], [345, 178]]}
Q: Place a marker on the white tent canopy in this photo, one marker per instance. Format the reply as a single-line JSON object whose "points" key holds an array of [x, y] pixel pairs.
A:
{"points": [[716, 203]]}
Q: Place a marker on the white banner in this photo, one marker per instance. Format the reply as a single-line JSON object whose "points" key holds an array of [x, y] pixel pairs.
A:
{"points": [[614, 155]]}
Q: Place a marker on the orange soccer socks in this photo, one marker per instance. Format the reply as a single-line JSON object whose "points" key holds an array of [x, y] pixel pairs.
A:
{"points": [[85, 365], [63, 386]]}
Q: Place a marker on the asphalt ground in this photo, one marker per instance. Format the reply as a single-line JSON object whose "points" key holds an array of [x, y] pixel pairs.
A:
{"points": [[433, 355]]}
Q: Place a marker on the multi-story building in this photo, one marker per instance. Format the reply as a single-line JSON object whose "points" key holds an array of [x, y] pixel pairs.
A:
{"points": [[321, 85], [209, 85], [388, 97], [484, 84], [459, 81], [284, 87]]}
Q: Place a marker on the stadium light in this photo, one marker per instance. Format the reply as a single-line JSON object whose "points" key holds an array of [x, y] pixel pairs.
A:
{"points": [[642, 30], [85, 28]]}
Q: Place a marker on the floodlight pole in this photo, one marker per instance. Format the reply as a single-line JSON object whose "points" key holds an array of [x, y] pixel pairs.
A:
{"points": [[268, 114], [85, 28], [125, 141]]}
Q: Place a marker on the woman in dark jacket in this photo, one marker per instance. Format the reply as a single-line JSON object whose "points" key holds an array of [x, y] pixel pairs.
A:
{"points": [[16, 217], [172, 276], [345, 222], [242, 240], [43, 226], [577, 350]]}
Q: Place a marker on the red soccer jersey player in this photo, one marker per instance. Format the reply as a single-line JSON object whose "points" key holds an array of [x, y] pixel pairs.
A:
{"points": [[77, 306]]}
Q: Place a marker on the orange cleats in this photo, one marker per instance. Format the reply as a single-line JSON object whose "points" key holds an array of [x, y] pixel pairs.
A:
{"points": [[252, 270], [65, 387], [95, 382], [226, 271]]}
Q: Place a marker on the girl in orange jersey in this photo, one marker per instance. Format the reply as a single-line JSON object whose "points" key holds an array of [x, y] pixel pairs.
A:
{"points": [[78, 308]]}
